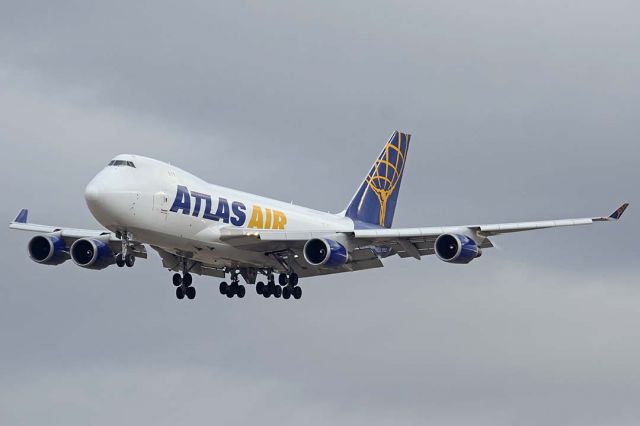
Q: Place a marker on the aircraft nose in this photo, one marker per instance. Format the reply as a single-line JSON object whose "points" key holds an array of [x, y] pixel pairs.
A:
{"points": [[95, 196], [92, 193]]}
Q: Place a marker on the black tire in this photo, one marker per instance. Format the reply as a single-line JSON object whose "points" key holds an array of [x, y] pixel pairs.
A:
{"points": [[282, 279], [241, 291], [191, 292], [293, 279], [119, 260], [224, 287], [177, 279], [297, 292], [180, 292], [278, 292], [187, 280], [271, 288], [286, 292], [129, 260], [260, 287]]}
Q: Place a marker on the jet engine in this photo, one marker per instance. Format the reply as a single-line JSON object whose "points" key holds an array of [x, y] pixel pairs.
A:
{"points": [[455, 248], [48, 250], [91, 254], [324, 252]]}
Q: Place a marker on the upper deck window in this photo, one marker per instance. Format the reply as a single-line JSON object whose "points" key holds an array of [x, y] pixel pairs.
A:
{"points": [[120, 163]]}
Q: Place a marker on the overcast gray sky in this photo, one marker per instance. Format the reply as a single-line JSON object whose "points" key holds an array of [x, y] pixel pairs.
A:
{"points": [[519, 110]]}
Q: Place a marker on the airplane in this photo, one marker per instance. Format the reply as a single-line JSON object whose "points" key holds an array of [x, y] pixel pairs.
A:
{"points": [[204, 229]]}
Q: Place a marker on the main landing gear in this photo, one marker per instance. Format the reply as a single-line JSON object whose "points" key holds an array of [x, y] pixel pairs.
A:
{"points": [[125, 257], [183, 283], [287, 286], [233, 289]]}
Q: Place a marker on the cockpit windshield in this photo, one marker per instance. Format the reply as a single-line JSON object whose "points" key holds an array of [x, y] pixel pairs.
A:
{"points": [[120, 163]]}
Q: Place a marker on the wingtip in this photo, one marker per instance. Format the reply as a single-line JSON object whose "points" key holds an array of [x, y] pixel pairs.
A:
{"points": [[619, 212], [22, 216]]}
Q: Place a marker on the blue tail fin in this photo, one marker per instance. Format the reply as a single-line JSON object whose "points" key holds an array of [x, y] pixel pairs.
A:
{"points": [[375, 201]]}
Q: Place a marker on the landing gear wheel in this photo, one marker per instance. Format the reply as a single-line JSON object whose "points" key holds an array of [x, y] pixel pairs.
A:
{"points": [[119, 260], [278, 292], [271, 288], [297, 292], [129, 260], [282, 279], [187, 279], [260, 287], [232, 290], [177, 280], [180, 293], [224, 287], [293, 279], [191, 292], [286, 292], [241, 291]]}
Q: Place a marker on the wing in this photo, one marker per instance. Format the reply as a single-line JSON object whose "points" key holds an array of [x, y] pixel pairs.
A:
{"points": [[405, 242], [417, 242], [72, 234], [286, 247]]}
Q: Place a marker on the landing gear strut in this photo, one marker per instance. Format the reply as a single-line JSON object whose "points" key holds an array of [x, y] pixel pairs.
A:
{"points": [[183, 283]]}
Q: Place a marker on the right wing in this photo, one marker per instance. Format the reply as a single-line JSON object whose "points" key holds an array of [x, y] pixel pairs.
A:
{"points": [[72, 234]]}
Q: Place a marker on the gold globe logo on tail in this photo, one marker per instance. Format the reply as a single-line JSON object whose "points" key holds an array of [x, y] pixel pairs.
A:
{"points": [[386, 173]]}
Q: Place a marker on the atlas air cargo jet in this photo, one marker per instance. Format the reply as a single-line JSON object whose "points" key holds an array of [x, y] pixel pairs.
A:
{"points": [[204, 229]]}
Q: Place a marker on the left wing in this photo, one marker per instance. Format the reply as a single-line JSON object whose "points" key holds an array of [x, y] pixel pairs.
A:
{"points": [[406, 242], [417, 242]]}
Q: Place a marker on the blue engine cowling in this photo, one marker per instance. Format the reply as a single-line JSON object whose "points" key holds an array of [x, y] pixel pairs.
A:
{"points": [[455, 248], [91, 254], [324, 252], [48, 249]]}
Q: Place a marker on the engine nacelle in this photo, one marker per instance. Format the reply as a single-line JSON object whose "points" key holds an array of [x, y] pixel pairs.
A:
{"points": [[456, 248], [324, 252], [48, 250], [92, 254]]}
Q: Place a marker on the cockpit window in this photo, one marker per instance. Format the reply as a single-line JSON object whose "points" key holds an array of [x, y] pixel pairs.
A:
{"points": [[120, 163]]}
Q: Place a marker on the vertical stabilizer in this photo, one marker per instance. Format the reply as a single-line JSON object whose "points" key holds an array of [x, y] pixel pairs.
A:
{"points": [[375, 201]]}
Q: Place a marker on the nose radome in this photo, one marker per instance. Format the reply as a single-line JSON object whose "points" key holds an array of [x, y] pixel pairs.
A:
{"points": [[92, 193]]}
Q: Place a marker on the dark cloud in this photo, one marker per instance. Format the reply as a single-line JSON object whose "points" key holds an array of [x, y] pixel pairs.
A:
{"points": [[519, 111]]}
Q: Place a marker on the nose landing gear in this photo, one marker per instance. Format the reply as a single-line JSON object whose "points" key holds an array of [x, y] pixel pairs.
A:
{"points": [[125, 257]]}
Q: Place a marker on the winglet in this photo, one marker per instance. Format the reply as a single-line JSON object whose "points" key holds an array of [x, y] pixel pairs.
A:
{"points": [[22, 216], [618, 213]]}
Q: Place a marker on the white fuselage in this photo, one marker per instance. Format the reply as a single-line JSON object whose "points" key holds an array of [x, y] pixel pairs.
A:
{"points": [[139, 200]]}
